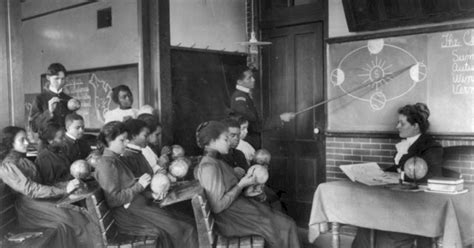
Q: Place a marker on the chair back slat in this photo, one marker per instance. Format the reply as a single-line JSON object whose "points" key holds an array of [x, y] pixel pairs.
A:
{"points": [[258, 242], [204, 220], [208, 237], [245, 242], [101, 212], [8, 218]]}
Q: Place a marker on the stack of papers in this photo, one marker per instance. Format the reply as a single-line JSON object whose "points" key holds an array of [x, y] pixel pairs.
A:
{"points": [[369, 174]]}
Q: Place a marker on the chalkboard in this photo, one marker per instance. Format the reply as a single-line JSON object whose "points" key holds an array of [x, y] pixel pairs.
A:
{"points": [[202, 82], [440, 72], [93, 87]]}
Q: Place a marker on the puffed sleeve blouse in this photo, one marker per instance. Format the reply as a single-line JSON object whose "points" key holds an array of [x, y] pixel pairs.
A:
{"points": [[22, 176]]}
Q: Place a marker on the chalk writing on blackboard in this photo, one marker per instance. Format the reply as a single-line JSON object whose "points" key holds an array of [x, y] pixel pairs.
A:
{"points": [[461, 45], [93, 87], [375, 62], [442, 77], [94, 94]]}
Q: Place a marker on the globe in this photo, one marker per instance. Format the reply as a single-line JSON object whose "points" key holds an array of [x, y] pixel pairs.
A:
{"points": [[263, 157], [80, 169], [73, 104], [415, 168], [260, 172], [160, 184]]}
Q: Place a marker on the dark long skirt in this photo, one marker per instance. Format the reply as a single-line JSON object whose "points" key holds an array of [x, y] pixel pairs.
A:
{"points": [[142, 218], [249, 217], [72, 229]]}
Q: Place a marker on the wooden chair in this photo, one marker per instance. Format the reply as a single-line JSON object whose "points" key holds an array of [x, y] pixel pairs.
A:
{"points": [[102, 215], [9, 223], [208, 237]]}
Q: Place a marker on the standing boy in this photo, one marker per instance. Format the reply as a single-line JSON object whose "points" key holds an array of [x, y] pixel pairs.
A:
{"points": [[242, 104]]}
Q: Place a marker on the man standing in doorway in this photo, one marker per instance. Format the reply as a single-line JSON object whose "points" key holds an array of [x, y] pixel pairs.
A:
{"points": [[242, 104]]}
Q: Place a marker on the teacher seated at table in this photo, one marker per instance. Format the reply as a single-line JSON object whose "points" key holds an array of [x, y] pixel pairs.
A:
{"points": [[412, 126]]}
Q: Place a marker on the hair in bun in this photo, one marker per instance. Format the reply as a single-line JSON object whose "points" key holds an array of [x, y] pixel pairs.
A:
{"points": [[423, 109], [208, 131], [417, 113]]}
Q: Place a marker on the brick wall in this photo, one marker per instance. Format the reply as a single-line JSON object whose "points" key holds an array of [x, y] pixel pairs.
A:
{"points": [[351, 150]]}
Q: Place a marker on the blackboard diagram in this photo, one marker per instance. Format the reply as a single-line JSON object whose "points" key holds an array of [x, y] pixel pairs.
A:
{"points": [[375, 62], [94, 94]]}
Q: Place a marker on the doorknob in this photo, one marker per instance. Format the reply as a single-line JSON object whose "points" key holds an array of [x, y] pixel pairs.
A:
{"points": [[316, 130]]}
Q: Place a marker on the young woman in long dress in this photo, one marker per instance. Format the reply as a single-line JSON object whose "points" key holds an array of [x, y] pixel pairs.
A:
{"points": [[36, 202], [124, 194], [235, 214]]}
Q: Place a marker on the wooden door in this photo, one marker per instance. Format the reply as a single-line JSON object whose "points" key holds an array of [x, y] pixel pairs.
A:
{"points": [[293, 79]]}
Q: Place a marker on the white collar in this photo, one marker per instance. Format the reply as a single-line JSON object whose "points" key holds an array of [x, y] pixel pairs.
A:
{"points": [[70, 136], [412, 139], [242, 88], [134, 147], [55, 90]]}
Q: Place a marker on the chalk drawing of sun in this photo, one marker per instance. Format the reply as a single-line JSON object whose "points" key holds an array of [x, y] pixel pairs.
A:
{"points": [[377, 72], [376, 65]]}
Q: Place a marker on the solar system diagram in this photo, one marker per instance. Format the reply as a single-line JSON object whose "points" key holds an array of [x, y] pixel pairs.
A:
{"points": [[379, 66]]}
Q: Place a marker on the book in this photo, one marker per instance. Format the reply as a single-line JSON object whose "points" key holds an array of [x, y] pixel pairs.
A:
{"points": [[445, 180], [447, 192], [445, 184], [369, 174]]}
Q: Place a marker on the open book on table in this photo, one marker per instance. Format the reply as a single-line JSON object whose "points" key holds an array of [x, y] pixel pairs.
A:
{"points": [[369, 174]]}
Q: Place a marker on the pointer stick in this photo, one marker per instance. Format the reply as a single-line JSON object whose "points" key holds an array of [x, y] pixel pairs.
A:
{"points": [[389, 76]]}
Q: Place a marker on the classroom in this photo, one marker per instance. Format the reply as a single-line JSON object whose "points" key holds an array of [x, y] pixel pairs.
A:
{"points": [[237, 123]]}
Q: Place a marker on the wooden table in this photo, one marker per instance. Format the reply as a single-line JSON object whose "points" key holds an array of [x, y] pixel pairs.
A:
{"points": [[449, 217], [181, 191]]}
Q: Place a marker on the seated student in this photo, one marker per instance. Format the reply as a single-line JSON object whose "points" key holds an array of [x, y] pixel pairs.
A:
{"points": [[236, 215], [152, 148], [132, 212], [52, 161], [243, 145], [51, 104], [234, 158], [133, 156], [122, 96], [75, 147], [36, 202], [412, 126]]}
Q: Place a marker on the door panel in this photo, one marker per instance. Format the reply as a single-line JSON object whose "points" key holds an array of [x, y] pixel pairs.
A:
{"points": [[292, 79]]}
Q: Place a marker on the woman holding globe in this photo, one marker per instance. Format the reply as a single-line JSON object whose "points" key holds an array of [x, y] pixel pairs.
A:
{"points": [[235, 214], [416, 145], [123, 193]]}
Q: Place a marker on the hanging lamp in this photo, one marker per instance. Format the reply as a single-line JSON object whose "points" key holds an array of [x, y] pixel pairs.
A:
{"points": [[253, 43]]}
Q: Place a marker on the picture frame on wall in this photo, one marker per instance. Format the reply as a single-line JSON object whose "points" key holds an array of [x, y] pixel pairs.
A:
{"points": [[93, 87]]}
